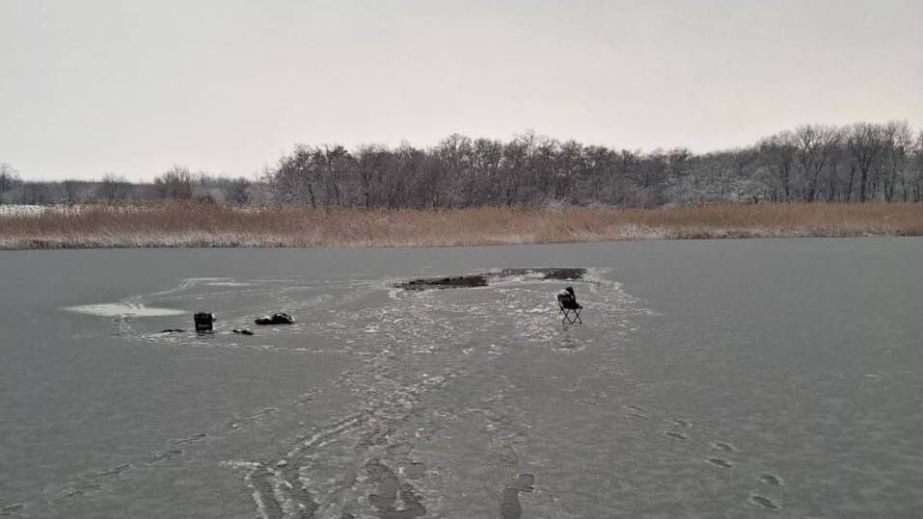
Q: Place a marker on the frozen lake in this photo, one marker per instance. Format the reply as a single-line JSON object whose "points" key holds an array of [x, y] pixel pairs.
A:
{"points": [[775, 378]]}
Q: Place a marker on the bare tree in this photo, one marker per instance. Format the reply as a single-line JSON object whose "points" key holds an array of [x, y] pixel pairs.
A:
{"points": [[567, 169], [897, 141], [779, 153], [295, 178], [916, 177], [372, 162], [74, 191], [113, 188], [35, 193], [486, 158], [515, 164], [815, 146], [238, 192], [174, 184], [834, 182], [863, 143], [335, 167], [9, 179]]}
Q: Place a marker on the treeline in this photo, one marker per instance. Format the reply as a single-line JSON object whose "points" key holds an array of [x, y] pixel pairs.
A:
{"points": [[814, 163], [178, 183]]}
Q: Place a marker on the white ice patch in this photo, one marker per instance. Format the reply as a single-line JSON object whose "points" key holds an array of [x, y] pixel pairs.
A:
{"points": [[124, 310]]}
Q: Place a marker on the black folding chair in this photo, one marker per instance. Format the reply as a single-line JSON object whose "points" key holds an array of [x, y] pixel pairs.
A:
{"points": [[567, 302]]}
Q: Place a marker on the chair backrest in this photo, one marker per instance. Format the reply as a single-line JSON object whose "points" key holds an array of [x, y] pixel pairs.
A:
{"points": [[567, 301]]}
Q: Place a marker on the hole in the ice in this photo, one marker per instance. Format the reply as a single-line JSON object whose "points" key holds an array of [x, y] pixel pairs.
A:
{"points": [[474, 280], [482, 280]]}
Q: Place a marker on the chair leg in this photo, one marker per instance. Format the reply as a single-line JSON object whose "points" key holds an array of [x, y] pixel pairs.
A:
{"points": [[568, 318]]}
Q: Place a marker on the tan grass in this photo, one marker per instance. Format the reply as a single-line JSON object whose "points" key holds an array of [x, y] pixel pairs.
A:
{"points": [[210, 225]]}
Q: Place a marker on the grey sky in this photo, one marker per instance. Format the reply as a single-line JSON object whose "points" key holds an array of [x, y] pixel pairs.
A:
{"points": [[132, 87]]}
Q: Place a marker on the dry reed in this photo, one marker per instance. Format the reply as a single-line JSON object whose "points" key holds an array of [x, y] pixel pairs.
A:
{"points": [[210, 225]]}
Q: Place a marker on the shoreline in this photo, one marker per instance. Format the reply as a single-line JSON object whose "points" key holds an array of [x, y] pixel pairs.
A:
{"points": [[199, 225]]}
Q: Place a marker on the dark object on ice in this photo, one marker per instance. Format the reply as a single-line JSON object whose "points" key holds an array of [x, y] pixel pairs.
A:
{"points": [[474, 280], [203, 321], [278, 318], [243, 331], [173, 330], [567, 302]]}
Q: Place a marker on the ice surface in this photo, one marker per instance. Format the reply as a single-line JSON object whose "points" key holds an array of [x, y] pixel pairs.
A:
{"points": [[710, 380]]}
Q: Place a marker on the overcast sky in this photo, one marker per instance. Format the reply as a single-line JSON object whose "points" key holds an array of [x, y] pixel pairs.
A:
{"points": [[133, 87]]}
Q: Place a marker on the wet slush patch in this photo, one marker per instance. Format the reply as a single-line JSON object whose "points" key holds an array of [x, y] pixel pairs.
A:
{"points": [[124, 310]]}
